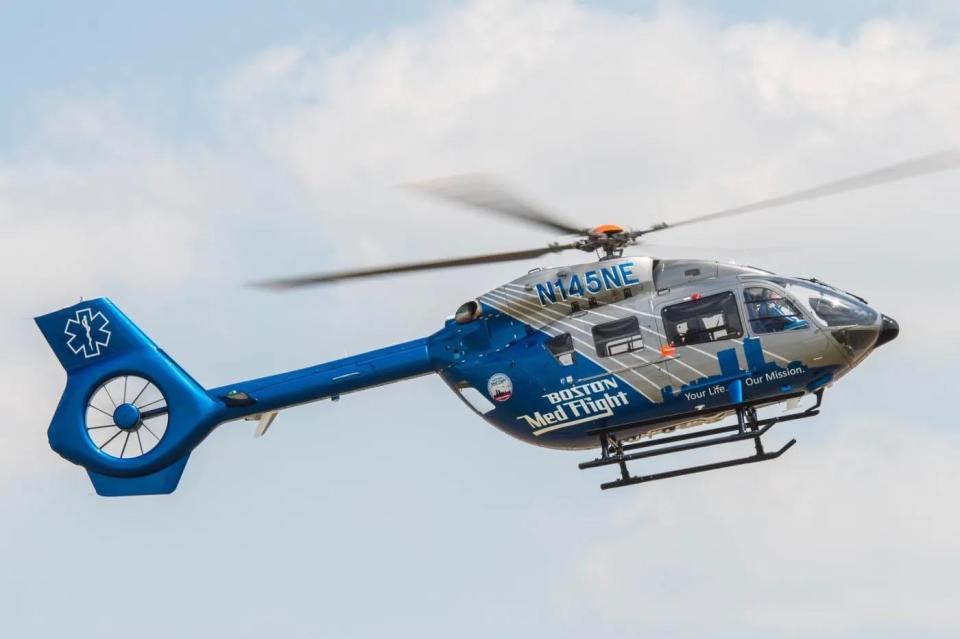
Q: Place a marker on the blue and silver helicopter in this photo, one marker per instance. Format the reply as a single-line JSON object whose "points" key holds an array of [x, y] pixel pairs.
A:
{"points": [[635, 356]]}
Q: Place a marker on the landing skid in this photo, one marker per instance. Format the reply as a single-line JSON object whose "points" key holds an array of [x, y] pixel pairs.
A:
{"points": [[614, 450]]}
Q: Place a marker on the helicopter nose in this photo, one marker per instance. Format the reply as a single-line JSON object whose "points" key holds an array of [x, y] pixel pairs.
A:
{"points": [[889, 330]]}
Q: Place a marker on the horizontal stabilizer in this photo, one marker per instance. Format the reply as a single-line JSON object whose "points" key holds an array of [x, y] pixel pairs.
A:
{"points": [[264, 423]]}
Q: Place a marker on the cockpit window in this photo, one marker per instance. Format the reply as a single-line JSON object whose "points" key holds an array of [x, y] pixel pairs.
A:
{"points": [[617, 337], [832, 307], [770, 312], [704, 320]]}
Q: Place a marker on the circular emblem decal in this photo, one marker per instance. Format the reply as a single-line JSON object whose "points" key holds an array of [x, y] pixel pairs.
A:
{"points": [[500, 387]]}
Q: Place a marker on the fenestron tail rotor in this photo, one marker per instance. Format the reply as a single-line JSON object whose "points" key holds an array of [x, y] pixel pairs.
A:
{"points": [[126, 417], [482, 192]]}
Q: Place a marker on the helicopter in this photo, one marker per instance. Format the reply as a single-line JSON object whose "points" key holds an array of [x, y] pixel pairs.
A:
{"points": [[634, 356]]}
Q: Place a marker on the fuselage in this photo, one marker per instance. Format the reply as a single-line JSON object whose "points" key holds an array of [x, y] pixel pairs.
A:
{"points": [[560, 354]]}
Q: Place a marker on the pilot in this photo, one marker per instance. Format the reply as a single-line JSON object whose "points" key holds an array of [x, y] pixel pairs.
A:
{"points": [[769, 312]]}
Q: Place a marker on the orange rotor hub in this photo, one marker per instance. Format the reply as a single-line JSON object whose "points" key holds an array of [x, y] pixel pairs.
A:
{"points": [[607, 229]]}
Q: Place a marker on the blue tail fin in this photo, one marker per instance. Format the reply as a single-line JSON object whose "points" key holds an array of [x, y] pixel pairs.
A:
{"points": [[129, 414]]}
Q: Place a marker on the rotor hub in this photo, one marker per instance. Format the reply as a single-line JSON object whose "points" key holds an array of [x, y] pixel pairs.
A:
{"points": [[607, 229], [126, 416], [611, 239]]}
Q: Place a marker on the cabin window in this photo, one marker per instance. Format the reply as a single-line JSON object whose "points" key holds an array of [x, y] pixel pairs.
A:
{"points": [[561, 347], [770, 312], [701, 321], [618, 337]]}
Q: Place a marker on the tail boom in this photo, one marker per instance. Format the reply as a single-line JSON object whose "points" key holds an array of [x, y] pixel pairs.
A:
{"points": [[332, 379], [102, 351]]}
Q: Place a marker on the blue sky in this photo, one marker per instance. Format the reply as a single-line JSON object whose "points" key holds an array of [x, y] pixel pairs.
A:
{"points": [[163, 156]]}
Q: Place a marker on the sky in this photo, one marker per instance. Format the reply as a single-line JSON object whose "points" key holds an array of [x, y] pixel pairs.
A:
{"points": [[165, 155]]}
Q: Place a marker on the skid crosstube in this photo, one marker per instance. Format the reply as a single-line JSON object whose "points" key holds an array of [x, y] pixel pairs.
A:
{"points": [[616, 452]]}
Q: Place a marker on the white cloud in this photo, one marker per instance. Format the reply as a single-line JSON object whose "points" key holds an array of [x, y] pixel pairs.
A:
{"points": [[100, 203], [847, 536]]}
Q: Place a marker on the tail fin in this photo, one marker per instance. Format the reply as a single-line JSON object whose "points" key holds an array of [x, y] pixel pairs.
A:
{"points": [[129, 414]]}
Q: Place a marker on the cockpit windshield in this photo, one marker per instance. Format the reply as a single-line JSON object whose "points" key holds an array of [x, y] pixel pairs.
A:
{"points": [[829, 305]]}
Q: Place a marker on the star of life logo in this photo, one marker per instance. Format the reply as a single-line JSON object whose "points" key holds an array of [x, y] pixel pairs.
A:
{"points": [[87, 333]]}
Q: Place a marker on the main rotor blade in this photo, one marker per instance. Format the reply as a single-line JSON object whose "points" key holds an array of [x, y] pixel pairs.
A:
{"points": [[482, 192], [926, 165], [717, 250], [284, 284]]}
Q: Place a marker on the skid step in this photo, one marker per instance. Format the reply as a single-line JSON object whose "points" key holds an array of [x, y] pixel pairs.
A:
{"points": [[630, 480]]}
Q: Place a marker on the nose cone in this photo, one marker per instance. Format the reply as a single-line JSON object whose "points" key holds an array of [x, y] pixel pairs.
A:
{"points": [[888, 330]]}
